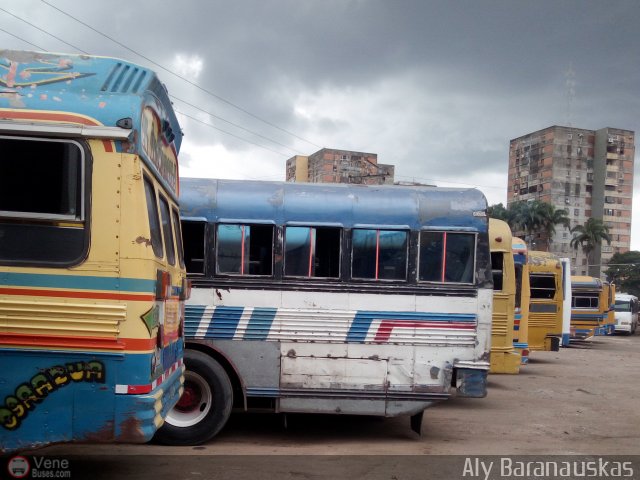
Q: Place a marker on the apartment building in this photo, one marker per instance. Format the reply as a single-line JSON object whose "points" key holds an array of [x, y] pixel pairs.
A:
{"points": [[589, 173], [339, 166]]}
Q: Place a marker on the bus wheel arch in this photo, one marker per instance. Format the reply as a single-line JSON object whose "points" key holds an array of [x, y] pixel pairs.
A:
{"points": [[205, 405]]}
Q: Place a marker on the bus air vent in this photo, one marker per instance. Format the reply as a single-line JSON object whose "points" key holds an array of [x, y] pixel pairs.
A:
{"points": [[124, 78]]}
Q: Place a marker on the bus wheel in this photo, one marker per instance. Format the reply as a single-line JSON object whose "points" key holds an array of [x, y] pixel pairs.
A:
{"points": [[204, 406]]}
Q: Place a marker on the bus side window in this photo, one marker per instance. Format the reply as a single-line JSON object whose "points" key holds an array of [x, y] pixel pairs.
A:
{"points": [[154, 221], [167, 231], [459, 257], [312, 252], [379, 254], [193, 239], [245, 249], [175, 217]]}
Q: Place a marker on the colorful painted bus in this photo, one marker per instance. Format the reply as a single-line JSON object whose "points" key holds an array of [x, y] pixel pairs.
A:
{"points": [[546, 301], [589, 307], [92, 277], [521, 317], [504, 358], [330, 298]]}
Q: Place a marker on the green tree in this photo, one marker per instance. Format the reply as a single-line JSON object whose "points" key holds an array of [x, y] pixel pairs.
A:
{"points": [[550, 217], [624, 271], [498, 211], [589, 237], [531, 219]]}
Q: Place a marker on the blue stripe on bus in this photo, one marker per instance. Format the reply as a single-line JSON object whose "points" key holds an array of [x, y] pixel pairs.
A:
{"points": [[363, 319], [192, 317], [77, 282], [260, 323], [224, 322], [587, 316]]}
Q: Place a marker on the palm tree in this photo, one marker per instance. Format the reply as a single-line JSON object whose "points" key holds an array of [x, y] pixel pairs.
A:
{"points": [[498, 211], [589, 236], [550, 217]]}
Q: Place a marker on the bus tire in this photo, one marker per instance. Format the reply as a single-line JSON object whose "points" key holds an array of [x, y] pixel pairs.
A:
{"points": [[203, 408]]}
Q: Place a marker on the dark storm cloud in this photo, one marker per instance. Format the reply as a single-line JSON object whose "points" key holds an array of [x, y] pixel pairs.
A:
{"points": [[436, 87]]}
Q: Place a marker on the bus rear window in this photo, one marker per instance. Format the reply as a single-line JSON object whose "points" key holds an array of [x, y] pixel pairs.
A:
{"points": [[379, 254], [542, 286], [245, 249], [312, 252], [586, 301], [44, 213], [41, 179]]}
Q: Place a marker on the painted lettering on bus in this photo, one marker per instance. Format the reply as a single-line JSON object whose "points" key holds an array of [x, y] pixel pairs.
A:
{"points": [[157, 148], [28, 394]]}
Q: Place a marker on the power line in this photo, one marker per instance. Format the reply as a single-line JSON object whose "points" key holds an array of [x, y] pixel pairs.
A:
{"points": [[42, 30], [449, 181], [229, 133], [176, 98], [234, 124], [243, 110], [23, 40]]}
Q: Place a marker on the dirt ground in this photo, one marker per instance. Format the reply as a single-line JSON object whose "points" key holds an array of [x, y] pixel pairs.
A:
{"points": [[582, 400]]}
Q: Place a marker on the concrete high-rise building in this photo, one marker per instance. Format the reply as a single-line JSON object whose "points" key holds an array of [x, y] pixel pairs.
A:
{"points": [[589, 173], [339, 166]]}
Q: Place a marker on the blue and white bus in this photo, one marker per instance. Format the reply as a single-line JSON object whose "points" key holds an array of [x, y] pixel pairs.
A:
{"points": [[330, 298]]}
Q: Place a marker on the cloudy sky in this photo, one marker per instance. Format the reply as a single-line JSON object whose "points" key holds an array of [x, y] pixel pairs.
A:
{"points": [[437, 88]]}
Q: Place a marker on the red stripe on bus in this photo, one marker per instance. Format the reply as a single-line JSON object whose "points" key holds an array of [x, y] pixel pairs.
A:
{"points": [[77, 294], [102, 343], [444, 255], [64, 117], [108, 146], [386, 327]]}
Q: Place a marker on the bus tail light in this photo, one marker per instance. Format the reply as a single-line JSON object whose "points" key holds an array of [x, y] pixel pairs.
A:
{"points": [[163, 285]]}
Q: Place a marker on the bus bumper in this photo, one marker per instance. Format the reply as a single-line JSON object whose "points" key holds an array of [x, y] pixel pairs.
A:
{"points": [[137, 417], [471, 382]]}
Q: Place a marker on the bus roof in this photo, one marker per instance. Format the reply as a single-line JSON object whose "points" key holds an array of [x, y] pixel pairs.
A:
{"points": [[500, 236], [39, 88], [98, 87], [343, 205], [539, 258], [518, 245], [585, 282], [625, 296]]}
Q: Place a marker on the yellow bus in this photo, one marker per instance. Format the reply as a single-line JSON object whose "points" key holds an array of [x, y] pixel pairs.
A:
{"points": [[92, 277], [504, 358], [609, 296], [546, 302], [521, 317], [589, 306]]}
